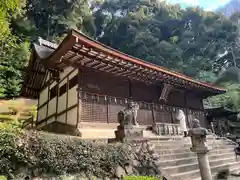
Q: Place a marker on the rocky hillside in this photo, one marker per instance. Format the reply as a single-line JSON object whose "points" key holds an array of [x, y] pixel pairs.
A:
{"points": [[230, 8]]}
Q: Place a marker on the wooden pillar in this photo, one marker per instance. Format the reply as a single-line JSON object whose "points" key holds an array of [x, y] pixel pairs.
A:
{"points": [[79, 89], [48, 90], [130, 88], [57, 99], [172, 122], [186, 106], [37, 110], [153, 114], [67, 89], [107, 106]]}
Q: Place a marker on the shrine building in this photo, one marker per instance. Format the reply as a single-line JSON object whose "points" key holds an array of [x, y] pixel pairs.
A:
{"points": [[83, 84]]}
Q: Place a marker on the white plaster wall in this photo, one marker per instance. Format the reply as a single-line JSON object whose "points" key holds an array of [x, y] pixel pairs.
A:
{"points": [[43, 97], [62, 83], [53, 84], [48, 77], [62, 118], [72, 116], [62, 102], [73, 74], [51, 120], [52, 106], [65, 72], [72, 96], [42, 113]]}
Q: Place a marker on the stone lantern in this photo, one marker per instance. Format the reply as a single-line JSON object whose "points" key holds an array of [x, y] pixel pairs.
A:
{"points": [[199, 146]]}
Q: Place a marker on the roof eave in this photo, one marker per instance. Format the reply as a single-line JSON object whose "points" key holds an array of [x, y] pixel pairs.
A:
{"points": [[73, 37]]}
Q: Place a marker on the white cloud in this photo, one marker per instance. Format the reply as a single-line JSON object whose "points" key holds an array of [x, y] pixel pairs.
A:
{"points": [[206, 4], [190, 2], [214, 6]]}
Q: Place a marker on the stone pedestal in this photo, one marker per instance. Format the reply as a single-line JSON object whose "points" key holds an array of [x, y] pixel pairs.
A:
{"points": [[199, 146], [128, 133], [204, 166]]}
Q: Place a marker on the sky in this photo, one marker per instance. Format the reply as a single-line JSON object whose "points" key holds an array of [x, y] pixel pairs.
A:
{"points": [[206, 4]]}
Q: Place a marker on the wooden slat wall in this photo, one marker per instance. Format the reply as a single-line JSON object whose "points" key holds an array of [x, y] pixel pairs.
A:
{"points": [[104, 109], [145, 116], [93, 109]]}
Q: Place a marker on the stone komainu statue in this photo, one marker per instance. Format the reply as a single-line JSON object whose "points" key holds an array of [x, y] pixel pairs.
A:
{"points": [[129, 115]]}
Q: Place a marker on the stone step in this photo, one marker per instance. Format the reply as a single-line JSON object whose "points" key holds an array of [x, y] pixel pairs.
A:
{"points": [[168, 157], [233, 170], [192, 159], [95, 133], [168, 151], [190, 175], [194, 166], [184, 145], [187, 141], [177, 137]]}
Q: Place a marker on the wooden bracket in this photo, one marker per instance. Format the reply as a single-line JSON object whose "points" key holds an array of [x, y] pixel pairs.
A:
{"points": [[165, 92]]}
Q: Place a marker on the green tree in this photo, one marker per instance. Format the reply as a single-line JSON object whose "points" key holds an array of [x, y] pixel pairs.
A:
{"points": [[8, 10], [186, 40], [230, 100], [13, 52], [14, 58], [53, 18]]}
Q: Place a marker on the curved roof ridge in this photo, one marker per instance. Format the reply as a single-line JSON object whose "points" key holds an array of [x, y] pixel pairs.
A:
{"points": [[46, 43]]}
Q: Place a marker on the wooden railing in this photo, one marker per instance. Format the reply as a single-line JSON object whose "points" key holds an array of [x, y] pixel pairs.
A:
{"points": [[166, 129], [103, 108]]}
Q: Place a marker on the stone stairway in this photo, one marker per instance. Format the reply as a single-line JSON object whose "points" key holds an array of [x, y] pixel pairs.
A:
{"points": [[177, 162]]}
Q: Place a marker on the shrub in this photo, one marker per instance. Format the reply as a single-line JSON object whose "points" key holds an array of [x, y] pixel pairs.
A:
{"points": [[139, 178], [11, 153], [57, 156], [3, 178]]}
